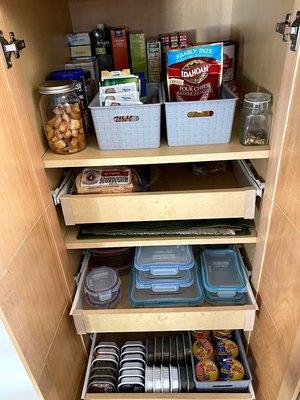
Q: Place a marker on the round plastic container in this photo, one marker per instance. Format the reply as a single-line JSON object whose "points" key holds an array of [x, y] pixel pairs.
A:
{"points": [[119, 259], [102, 287]]}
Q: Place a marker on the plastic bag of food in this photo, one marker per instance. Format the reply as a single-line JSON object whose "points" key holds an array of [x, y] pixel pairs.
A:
{"points": [[195, 73], [110, 180]]}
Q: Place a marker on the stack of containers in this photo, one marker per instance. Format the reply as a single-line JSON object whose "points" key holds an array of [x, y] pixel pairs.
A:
{"points": [[224, 276], [165, 275], [132, 367]]}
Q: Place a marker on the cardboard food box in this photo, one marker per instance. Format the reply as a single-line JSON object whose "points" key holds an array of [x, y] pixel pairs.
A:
{"points": [[138, 52], [229, 61], [154, 61], [78, 39], [81, 51], [119, 47]]}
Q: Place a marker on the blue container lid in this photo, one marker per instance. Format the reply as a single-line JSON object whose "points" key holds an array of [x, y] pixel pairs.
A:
{"points": [[163, 284], [190, 296], [164, 260], [76, 73], [222, 272]]}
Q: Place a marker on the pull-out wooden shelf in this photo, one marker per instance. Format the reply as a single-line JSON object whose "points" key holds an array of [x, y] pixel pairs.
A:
{"points": [[73, 243], [170, 396], [126, 318], [91, 156], [177, 194], [154, 396]]}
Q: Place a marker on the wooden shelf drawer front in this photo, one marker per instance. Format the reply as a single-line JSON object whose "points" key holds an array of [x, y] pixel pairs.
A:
{"points": [[126, 318], [178, 195], [155, 396]]}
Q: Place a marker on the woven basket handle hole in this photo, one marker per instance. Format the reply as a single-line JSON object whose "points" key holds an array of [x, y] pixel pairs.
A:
{"points": [[126, 118], [200, 114]]}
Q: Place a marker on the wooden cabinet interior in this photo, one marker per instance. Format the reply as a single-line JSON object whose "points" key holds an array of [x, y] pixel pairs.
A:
{"points": [[262, 64]]}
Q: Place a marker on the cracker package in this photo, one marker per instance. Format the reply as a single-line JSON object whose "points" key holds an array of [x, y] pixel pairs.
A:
{"points": [[195, 73]]}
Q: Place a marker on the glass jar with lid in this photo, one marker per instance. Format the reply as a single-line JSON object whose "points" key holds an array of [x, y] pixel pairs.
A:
{"points": [[256, 119], [62, 116]]}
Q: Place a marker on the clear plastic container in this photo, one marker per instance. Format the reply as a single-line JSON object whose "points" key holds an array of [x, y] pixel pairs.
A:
{"points": [[256, 119], [190, 296], [102, 287], [164, 260], [62, 116], [164, 284], [223, 274]]}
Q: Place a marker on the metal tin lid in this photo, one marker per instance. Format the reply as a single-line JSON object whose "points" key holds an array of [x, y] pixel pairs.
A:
{"points": [[55, 87], [72, 73], [257, 100]]}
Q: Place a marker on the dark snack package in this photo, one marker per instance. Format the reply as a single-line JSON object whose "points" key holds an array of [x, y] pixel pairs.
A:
{"points": [[195, 73]]}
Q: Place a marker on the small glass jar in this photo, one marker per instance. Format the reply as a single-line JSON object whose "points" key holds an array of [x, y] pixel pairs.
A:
{"points": [[62, 116], [256, 119]]}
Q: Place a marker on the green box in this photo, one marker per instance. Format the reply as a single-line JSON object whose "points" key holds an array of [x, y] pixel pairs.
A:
{"points": [[138, 52]]}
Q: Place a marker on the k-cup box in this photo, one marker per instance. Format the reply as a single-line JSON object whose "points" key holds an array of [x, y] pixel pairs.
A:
{"points": [[138, 52], [78, 39], [119, 47], [81, 51], [154, 61]]}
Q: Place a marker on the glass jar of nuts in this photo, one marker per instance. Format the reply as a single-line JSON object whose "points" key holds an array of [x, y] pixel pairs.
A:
{"points": [[62, 116]]}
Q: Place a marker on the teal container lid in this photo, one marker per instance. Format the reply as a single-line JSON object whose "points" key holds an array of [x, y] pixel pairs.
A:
{"points": [[189, 296], [222, 272], [164, 260], [164, 284]]}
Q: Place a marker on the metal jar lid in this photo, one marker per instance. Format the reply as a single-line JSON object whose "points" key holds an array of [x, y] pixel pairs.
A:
{"points": [[257, 100], [56, 87]]}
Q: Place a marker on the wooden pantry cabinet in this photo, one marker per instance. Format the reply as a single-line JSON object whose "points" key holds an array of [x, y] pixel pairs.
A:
{"points": [[40, 254]]}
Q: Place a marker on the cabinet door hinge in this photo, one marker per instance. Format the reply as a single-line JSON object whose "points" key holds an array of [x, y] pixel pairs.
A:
{"points": [[13, 46], [289, 29]]}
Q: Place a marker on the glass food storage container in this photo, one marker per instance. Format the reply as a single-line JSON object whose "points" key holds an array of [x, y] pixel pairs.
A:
{"points": [[256, 119], [62, 116]]}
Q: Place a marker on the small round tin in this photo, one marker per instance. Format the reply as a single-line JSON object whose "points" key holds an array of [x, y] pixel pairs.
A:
{"points": [[165, 379], [182, 379], [165, 352], [132, 365], [180, 349], [157, 384], [107, 350], [104, 371], [106, 385], [133, 343], [186, 345], [173, 351], [106, 357], [107, 344], [129, 373], [104, 364], [133, 357], [133, 350], [157, 350], [149, 352], [174, 379], [135, 385], [148, 379]]}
